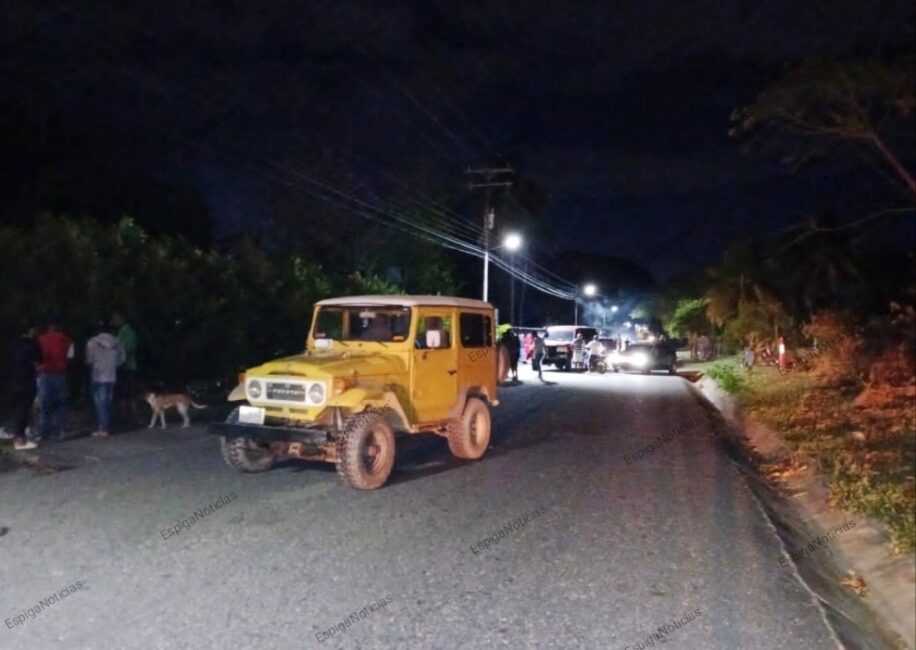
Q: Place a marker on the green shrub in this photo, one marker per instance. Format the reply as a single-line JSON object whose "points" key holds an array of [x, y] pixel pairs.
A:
{"points": [[728, 377]]}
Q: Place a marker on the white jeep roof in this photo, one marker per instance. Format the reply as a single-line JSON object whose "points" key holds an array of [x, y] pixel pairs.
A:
{"points": [[383, 300]]}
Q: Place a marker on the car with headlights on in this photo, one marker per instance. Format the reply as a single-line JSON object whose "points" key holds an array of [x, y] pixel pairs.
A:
{"points": [[374, 368], [645, 357]]}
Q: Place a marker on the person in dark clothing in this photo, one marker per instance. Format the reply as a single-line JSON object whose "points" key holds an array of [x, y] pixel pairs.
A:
{"points": [[514, 348], [540, 351], [24, 356]]}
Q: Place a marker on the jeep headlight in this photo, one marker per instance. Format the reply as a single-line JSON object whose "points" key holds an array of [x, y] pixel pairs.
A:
{"points": [[316, 393], [254, 389], [640, 359]]}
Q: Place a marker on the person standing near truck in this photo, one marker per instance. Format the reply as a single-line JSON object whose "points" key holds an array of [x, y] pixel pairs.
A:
{"points": [[578, 348], [514, 347], [539, 352]]}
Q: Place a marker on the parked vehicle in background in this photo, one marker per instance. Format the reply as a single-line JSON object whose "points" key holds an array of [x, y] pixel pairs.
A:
{"points": [[645, 357], [374, 367], [559, 343]]}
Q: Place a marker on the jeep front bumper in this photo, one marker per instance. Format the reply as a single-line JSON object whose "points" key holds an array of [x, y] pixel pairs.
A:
{"points": [[267, 433]]}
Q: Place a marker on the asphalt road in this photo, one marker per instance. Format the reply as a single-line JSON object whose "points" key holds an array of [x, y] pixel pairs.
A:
{"points": [[611, 551]]}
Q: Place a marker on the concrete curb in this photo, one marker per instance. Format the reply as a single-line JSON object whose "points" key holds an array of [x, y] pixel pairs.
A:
{"points": [[886, 616]]}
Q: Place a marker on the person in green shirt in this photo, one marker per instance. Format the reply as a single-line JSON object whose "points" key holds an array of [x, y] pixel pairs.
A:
{"points": [[127, 372]]}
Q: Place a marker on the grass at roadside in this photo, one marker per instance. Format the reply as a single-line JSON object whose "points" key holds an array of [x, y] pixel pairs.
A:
{"points": [[704, 366], [867, 453]]}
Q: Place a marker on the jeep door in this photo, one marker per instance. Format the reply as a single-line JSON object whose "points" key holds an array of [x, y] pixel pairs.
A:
{"points": [[434, 379], [477, 356]]}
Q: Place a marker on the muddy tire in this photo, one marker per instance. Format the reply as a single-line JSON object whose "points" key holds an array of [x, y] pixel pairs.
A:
{"points": [[365, 452], [469, 435], [246, 455]]}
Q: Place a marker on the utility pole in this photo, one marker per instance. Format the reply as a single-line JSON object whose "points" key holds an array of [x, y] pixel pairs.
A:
{"points": [[487, 176]]}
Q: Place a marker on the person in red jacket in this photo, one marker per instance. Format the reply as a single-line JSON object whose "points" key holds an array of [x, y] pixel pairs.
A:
{"points": [[56, 352]]}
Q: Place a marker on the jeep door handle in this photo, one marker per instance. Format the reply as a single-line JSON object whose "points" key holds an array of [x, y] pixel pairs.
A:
{"points": [[452, 372]]}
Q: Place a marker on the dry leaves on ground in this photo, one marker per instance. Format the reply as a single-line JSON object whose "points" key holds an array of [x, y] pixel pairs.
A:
{"points": [[785, 468], [856, 583]]}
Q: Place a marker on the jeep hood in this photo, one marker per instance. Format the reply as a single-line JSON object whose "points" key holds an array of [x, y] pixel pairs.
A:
{"points": [[337, 364]]}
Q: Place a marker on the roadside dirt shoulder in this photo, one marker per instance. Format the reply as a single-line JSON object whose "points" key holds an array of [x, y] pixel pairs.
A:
{"points": [[846, 559]]}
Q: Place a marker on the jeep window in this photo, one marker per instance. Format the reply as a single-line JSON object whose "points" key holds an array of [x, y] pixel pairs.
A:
{"points": [[588, 333], [434, 332], [475, 331], [560, 335], [362, 323]]}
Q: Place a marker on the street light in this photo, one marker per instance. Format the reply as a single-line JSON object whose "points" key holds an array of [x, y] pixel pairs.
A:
{"points": [[613, 309], [511, 242], [588, 291]]}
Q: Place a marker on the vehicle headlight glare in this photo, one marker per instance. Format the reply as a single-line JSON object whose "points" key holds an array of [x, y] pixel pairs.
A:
{"points": [[316, 393], [640, 359], [254, 389]]}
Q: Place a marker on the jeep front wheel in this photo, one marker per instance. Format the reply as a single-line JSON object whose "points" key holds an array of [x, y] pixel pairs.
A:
{"points": [[469, 435], [246, 455], [365, 452]]}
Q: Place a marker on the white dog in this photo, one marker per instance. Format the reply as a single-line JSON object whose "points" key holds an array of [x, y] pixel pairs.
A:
{"points": [[160, 403]]}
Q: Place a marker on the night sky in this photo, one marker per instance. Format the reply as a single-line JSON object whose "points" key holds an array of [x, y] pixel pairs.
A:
{"points": [[614, 114]]}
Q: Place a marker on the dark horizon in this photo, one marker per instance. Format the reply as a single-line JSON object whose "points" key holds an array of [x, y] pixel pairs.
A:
{"points": [[615, 120]]}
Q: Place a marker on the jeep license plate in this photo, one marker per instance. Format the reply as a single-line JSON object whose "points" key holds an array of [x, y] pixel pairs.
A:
{"points": [[251, 415], [285, 392]]}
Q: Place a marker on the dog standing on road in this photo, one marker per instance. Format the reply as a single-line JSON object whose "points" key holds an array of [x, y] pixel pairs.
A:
{"points": [[161, 403]]}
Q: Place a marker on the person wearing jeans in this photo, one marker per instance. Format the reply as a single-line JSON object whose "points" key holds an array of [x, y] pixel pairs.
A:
{"points": [[104, 353], [56, 351], [102, 394]]}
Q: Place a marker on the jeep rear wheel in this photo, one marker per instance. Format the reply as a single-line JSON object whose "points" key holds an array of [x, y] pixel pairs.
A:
{"points": [[365, 452], [246, 455], [469, 435]]}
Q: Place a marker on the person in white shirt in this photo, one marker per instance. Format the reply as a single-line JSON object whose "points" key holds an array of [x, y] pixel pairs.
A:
{"points": [[593, 350]]}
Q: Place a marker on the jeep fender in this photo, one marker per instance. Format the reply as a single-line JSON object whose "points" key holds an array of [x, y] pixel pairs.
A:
{"points": [[472, 391], [360, 400], [237, 394]]}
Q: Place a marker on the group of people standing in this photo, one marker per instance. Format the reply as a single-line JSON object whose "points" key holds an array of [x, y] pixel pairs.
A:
{"points": [[534, 349], [38, 366], [532, 346]]}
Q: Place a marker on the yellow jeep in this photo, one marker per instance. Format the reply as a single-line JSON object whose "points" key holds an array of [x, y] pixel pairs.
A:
{"points": [[373, 366]]}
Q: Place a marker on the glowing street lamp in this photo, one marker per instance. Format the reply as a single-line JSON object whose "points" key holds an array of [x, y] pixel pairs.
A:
{"points": [[613, 309], [512, 242], [589, 290]]}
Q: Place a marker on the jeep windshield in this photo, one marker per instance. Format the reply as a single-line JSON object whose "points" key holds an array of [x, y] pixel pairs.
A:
{"points": [[354, 323]]}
